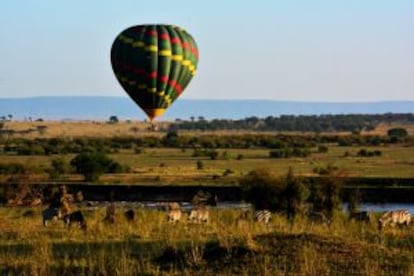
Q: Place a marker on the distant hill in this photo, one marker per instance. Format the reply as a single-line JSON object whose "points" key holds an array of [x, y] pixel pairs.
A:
{"points": [[100, 108]]}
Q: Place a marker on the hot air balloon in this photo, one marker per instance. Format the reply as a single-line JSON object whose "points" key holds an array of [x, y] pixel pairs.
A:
{"points": [[154, 64]]}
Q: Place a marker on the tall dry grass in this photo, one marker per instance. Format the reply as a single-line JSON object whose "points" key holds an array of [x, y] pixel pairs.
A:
{"points": [[243, 248]]}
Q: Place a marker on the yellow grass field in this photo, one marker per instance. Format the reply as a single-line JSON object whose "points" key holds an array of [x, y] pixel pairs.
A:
{"points": [[135, 128]]}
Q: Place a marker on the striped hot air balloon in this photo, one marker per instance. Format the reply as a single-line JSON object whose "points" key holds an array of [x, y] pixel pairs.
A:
{"points": [[154, 64]]}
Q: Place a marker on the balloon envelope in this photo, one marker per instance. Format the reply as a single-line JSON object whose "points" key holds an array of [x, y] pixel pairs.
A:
{"points": [[154, 64]]}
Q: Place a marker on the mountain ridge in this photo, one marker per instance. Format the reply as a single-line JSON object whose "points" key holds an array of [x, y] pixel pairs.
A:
{"points": [[102, 107]]}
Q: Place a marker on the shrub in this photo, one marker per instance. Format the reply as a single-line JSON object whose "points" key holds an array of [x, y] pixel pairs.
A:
{"points": [[93, 164], [262, 189], [57, 168], [295, 194], [12, 168], [322, 149], [397, 132]]}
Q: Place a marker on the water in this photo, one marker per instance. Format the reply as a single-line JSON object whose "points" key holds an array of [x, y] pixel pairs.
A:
{"points": [[157, 205], [370, 207]]}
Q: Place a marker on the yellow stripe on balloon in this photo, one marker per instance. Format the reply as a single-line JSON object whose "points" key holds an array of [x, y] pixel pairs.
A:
{"points": [[151, 48], [138, 44], [177, 57], [165, 53], [161, 93], [126, 39], [186, 62], [142, 86], [152, 90]]}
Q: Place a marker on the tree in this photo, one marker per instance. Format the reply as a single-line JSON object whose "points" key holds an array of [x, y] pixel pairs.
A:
{"points": [[398, 132], [113, 119], [93, 164], [262, 189], [57, 168], [296, 194], [171, 139]]}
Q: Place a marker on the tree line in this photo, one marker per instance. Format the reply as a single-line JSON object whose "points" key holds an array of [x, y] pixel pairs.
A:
{"points": [[308, 123], [287, 144]]}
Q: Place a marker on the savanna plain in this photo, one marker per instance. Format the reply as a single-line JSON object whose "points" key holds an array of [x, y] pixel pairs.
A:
{"points": [[226, 245]]}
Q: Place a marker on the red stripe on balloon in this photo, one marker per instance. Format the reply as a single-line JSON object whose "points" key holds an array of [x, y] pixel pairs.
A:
{"points": [[178, 88], [163, 78], [152, 75], [176, 40], [139, 71], [164, 36], [151, 33]]}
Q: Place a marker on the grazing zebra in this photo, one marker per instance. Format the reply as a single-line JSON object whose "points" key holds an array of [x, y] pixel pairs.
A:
{"points": [[51, 214], [110, 214], [263, 216], [130, 215], [360, 216], [199, 215], [393, 218], [75, 217], [318, 217]]}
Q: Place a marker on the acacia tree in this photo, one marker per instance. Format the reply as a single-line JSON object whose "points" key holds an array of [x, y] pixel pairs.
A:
{"points": [[93, 164]]}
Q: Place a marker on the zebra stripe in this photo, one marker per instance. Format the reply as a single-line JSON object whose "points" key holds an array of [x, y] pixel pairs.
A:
{"points": [[392, 218], [51, 214], [199, 215], [263, 216]]}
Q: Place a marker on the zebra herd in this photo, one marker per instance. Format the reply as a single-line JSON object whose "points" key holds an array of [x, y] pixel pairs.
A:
{"points": [[201, 214]]}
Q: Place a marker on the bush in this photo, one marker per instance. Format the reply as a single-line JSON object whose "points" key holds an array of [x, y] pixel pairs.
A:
{"points": [[262, 189], [367, 153], [322, 149], [93, 164], [200, 165], [295, 193], [58, 167], [12, 168], [397, 132]]}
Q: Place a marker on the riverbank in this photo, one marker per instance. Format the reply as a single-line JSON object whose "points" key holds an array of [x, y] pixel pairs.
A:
{"points": [[374, 190]]}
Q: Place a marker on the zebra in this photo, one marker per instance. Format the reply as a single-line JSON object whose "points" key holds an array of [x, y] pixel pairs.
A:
{"points": [[318, 217], [110, 214], [360, 216], [51, 214], [199, 215], [75, 217], [263, 216], [393, 218], [129, 215]]}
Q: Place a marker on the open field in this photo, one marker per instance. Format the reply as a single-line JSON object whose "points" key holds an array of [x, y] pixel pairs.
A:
{"points": [[177, 166], [139, 128], [152, 246]]}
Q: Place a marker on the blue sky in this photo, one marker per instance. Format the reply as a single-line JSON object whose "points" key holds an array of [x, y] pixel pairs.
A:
{"points": [[344, 50]]}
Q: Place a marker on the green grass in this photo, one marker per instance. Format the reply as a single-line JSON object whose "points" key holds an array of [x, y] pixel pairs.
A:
{"points": [[174, 166]]}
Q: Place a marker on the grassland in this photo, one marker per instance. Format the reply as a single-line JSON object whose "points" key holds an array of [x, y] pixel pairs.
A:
{"points": [[176, 166], [152, 246], [139, 128]]}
